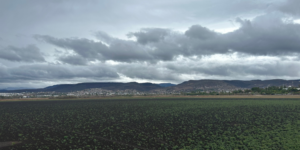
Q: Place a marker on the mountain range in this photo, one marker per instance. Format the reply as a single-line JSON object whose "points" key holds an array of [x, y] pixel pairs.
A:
{"points": [[104, 85], [190, 85], [209, 85]]}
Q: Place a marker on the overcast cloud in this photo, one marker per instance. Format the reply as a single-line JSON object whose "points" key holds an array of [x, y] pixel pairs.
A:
{"points": [[50, 42], [29, 53]]}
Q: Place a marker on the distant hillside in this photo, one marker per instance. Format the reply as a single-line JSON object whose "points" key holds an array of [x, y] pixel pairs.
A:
{"points": [[3, 91], [230, 84], [103, 85], [166, 84], [205, 85], [12, 88]]}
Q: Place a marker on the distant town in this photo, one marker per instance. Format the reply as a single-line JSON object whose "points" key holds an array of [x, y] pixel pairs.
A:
{"points": [[99, 92]]}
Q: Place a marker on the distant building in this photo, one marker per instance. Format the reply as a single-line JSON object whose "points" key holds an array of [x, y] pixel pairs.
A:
{"points": [[41, 96], [4, 94]]}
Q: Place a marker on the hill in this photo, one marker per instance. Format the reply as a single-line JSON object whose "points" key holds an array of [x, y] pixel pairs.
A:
{"points": [[191, 85], [207, 85], [103, 85], [166, 84]]}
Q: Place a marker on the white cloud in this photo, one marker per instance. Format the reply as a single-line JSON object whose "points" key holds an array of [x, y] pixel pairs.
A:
{"points": [[297, 21]]}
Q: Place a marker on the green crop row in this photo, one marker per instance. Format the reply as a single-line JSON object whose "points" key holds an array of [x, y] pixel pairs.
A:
{"points": [[152, 124]]}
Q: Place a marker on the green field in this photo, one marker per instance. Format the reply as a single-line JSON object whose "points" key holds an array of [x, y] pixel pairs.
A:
{"points": [[152, 124]]}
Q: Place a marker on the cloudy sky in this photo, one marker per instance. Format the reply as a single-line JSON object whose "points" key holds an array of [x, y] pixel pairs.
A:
{"points": [[70, 41]]}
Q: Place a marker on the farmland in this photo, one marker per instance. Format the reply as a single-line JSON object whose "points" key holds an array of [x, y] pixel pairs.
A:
{"points": [[182, 123]]}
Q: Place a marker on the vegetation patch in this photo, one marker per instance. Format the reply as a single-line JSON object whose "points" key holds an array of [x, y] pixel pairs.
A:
{"points": [[152, 124]]}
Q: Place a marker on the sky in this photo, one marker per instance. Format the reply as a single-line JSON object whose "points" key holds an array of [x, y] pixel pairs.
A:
{"points": [[43, 43]]}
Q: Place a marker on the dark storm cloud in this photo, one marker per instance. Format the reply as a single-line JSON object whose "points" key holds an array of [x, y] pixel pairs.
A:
{"points": [[202, 33], [3, 71], [285, 68], [265, 35], [120, 50], [126, 51], [83, 47], [290, 7], [148, 35], [73, 60], [29, 53], [48, 72], [163, 46]]}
